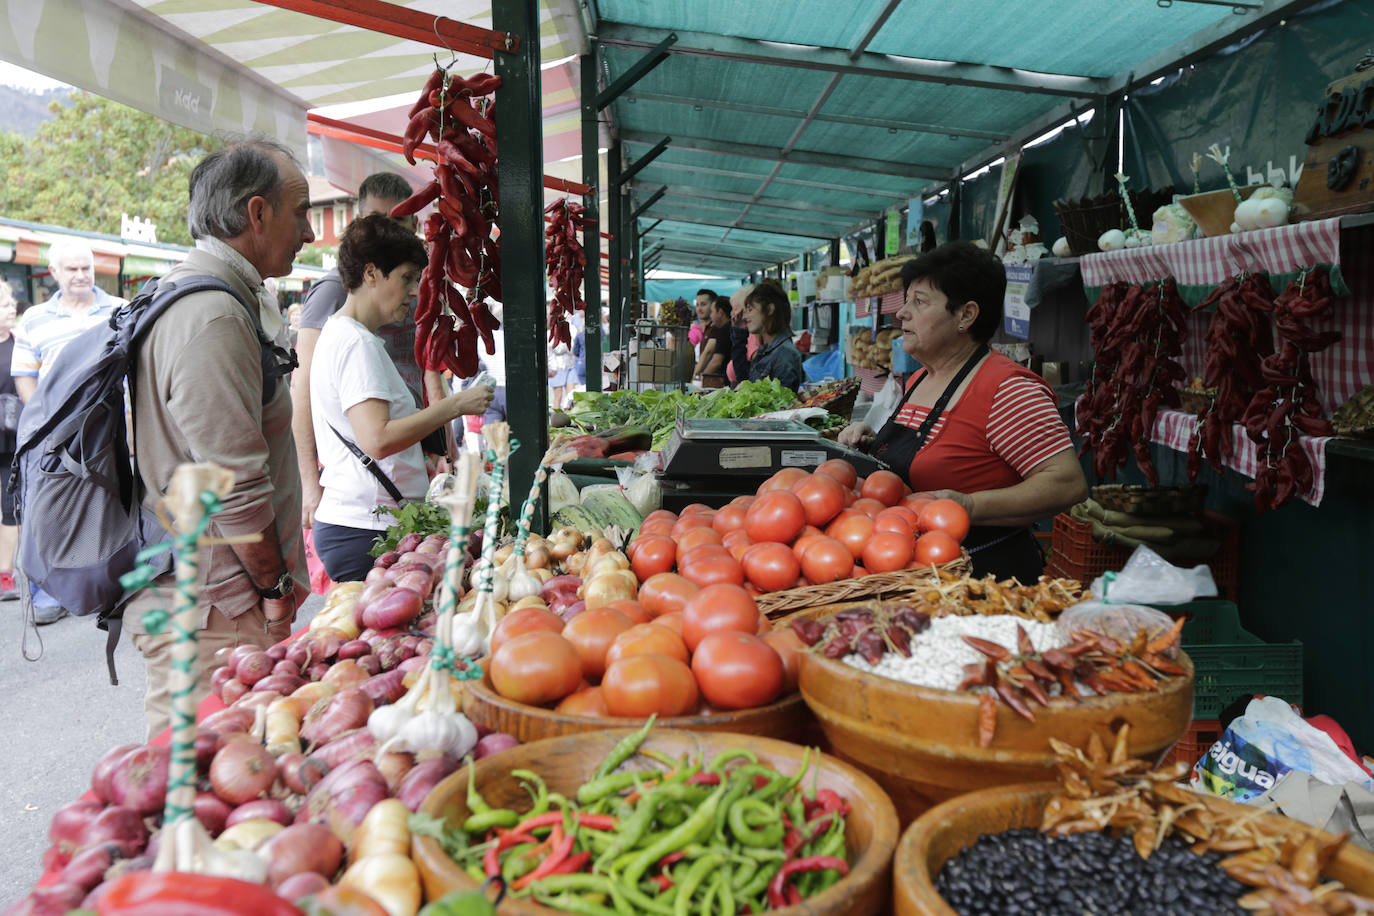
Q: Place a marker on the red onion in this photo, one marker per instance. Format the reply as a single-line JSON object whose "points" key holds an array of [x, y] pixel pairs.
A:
{"points": [[418, 581], [558, 584], [494, 744], [269, 809], [276, 651], [240, 652], [345, 748], [482, 730], [323, 648], [421, 779], [425, 623], [234, 719], [117, 824], [348, 709], [70, 821], [212, 812], [394, 767], [87, 868], [217, 679], [377, 575], [254, 667], [54, 859], [242, 771], [570, 611], [300, 773], [387, 655], [396, 608], [317, 671], [302, 884], [387, 559], [433, 547], [344, 797], [409, 542], [285, 667], [385, 688], [298, 653], [53, 900], [424, 645], [140, 779], [417, 663], [283, 684], [207, 742], [104, 770], [232, 691], [354, 648], [370, 664]]}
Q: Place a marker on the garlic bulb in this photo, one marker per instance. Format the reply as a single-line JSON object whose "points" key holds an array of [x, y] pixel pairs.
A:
{"points": [[1270, 212], [1061, 247], [1112, 240], [386, 722], [436, 732], [466, 635]]}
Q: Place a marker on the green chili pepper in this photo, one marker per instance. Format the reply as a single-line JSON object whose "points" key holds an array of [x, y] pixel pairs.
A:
{"points": [[604, 786], [571, 903], [519, 862], [693, 829], [660, 757], [643, 901], [727, 894], [708, 900], [484, 817], [673, 813], [740, 876], [737, 788], [719, 761], [623, 750], [698, 873], [770, 829], [795, 780], [475, 872], [539, 791], [550, 884]]}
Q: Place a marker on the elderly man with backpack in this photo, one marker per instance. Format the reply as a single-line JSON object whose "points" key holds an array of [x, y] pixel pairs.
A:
{"points": [[203, 391]]}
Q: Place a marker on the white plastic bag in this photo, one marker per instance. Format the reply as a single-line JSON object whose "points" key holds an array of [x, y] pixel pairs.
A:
{"points": [[1148, 578], [562, 491], [884, 403], [1265, 743], [641, 488]]}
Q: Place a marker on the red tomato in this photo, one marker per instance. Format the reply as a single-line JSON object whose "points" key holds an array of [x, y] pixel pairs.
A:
{"points": [[840, 470], [785, 479], [853, 532], [887, 551], [658, 526], [672, 621], [775, 516], [588, 701], [661, 513], [897, 512], [745, 501], [714, 568], [592, 633], [701, 552], [697, 509], [867, 506], [646, 639], [738, 671], [915, 502], [821, 497], [641, 685], [771, 566], [536, 668], [827, 560], [945, 515], [695, 537], [716, 608], [765, 625], [800, 545], [665, 593], [690, 522], [936, 547], [884, 486], [788, 645], [729, 519], [653, 554], [631, 609], [737, 542], [849, 497], [524, 620]]}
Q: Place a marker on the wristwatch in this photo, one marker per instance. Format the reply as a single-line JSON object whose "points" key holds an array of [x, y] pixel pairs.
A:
{"points": [[283, 587]]}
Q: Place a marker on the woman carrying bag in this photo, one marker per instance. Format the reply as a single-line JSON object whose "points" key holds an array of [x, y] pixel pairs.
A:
{"points": [[366, 423]]}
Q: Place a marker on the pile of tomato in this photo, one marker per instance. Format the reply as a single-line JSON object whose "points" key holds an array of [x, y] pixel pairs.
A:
{"points": [[802, 529], [678, 649]]}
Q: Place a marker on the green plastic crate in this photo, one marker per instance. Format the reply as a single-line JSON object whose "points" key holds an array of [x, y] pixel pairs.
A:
{"points": [[1229, 662]]}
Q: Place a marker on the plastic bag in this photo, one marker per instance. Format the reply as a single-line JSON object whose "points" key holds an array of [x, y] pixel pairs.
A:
{"points": [[828, 365], [1265, 743], [1148, 578], [884, 403], [641, 488], [1119, 621], [562, 491]]}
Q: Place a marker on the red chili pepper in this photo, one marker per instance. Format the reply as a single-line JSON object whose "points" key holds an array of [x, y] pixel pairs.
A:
{"points": [[573, 864], [671, 858], [582, 819], [704, 779], [777, 896], [663, 882], [491, 860], [417, 201], [560, 845], [146, 893]]}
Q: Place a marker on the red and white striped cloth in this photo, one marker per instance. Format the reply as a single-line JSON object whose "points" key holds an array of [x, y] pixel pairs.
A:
{"points": [[1174, 429]]}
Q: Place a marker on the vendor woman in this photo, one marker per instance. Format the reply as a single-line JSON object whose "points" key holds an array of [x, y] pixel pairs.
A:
{"points": [[768, 314], [974, 426]]}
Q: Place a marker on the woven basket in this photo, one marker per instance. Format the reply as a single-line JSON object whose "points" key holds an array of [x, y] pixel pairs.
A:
{"points": [[1196, 400], [1083, 221], [897, 584]]}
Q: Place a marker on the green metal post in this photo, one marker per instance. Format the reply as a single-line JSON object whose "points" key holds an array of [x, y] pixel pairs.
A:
{"points": [[519, 110], [615, 207], [591, 238]]}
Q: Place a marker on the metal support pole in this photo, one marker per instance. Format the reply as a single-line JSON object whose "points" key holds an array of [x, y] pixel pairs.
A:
{"points": [[655, 56], [591, 236], [519, 111], [834, 252], [615, 206], [653, 199], [644, 160]]}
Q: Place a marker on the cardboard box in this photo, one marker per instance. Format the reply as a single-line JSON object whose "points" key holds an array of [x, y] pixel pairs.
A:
{"points": [[656, 365]]}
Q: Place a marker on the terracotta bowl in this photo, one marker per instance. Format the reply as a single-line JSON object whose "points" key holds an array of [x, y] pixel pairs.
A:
{"points": [[921, 743], [787, 719], [940, 834], [567, 762]]}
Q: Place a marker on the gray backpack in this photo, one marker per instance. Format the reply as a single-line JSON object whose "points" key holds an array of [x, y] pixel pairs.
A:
{"points": [[76, 486]]}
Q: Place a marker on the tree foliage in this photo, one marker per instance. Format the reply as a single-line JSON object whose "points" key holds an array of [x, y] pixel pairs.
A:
{"points": [[96, 159]]}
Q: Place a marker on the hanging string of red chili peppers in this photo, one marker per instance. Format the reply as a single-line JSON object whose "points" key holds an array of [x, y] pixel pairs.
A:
{"points": [[565, 263]]}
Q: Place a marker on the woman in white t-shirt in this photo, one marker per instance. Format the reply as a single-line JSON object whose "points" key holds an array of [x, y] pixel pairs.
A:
{"points": [[360, 405]]}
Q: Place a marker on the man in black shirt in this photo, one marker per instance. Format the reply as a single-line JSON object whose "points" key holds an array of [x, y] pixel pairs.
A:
{"points": [[716, 346]]}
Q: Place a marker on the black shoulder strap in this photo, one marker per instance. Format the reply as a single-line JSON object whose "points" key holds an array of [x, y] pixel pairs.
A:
{"points": [[372, 466]]}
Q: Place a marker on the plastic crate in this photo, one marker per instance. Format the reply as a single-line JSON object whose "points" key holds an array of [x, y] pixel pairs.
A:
{"points": [[1198, 740], [1078, 555], [1229, 662]]}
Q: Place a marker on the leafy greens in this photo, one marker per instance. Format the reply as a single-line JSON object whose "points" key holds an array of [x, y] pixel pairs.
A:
{"points": [[657, 410]]}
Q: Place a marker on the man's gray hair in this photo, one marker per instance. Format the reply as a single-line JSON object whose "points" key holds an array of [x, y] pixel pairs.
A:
{"points": [[224, 181], [68, 250]]}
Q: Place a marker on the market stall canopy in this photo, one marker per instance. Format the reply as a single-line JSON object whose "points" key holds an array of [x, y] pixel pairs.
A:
{"points": [[808, 119]]}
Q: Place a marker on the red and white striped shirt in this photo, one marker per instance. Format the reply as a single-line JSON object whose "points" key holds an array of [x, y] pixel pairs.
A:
{"points": [[1004, 424]]}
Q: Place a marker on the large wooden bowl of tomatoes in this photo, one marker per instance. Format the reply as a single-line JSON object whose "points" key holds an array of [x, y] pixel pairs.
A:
{"points": [[699, 658]]}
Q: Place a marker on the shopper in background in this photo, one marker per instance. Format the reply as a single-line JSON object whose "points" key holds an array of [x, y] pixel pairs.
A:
{"points": [[700, 330], [10, 405], [378, 193], [710, 368], [742, 343], [768, 314], [361, 407], [973, 426], [561, 374], [200, 395], [44, 330]]}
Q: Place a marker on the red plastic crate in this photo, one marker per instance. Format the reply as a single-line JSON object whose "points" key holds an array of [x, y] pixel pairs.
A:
{"points": [[1076, 554], [1197, 741]]}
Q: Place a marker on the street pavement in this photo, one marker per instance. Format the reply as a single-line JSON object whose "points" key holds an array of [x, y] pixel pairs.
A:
{"points": [[65, 715]]}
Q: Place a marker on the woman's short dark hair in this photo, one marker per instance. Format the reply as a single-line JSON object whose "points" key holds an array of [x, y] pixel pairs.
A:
{"points": [[964, 273], [769, 292], [380, 241]]}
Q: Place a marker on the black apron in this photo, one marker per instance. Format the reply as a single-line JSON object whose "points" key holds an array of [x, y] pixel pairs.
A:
{"points": [[1004, 552]]}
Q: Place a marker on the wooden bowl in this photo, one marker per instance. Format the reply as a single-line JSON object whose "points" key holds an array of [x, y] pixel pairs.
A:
{"points": [[1214, 211], [941, 833], [568, 761], [921, 743], [787, 719]]}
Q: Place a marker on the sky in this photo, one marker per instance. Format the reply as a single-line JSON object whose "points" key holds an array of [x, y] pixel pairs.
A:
{"points": [[14, 75]]}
